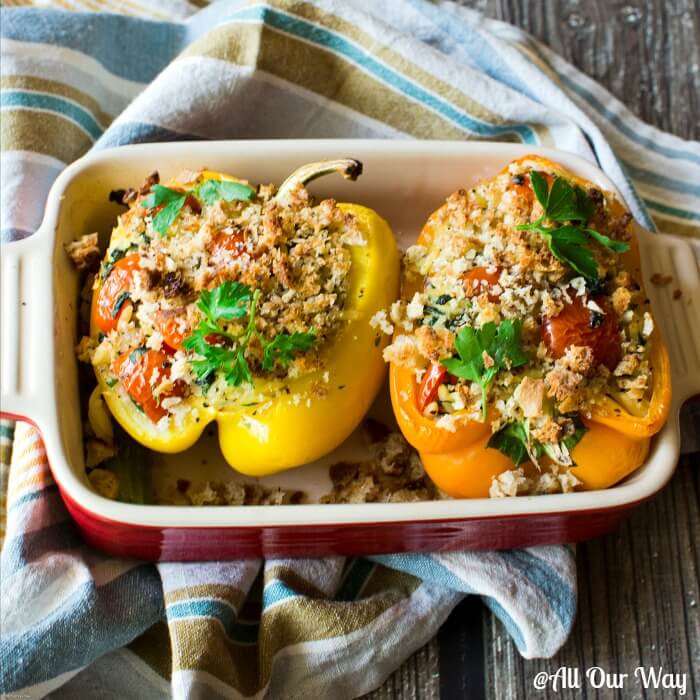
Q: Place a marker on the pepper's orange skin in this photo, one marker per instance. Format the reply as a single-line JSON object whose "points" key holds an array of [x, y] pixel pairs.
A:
{"points": [[459, 462], [466, 472], [420, 430]]}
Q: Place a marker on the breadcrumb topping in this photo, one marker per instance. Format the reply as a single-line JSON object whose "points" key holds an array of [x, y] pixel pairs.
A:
{"points": [[477, 267], [296, 254]]}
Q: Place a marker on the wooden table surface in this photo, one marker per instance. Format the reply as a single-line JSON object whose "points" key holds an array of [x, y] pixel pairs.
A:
{"points": [[639, 591]]}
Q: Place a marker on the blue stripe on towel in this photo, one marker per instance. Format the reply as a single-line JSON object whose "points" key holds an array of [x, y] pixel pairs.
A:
{"points": [[241, 633], [125, 133], [132, 48], [560, 597], [33, 495], [52, 103], [57, 644]]}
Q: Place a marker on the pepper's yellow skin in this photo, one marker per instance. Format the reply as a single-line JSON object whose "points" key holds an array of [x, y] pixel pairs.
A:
{"points": [[459, 462], [298, 420]]}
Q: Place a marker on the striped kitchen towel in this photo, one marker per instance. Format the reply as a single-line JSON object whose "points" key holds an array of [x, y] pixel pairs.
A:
{"points": [[77, 624]]}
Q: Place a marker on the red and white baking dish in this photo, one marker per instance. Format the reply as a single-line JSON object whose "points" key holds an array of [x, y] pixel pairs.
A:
{"points": [[404, 181]]}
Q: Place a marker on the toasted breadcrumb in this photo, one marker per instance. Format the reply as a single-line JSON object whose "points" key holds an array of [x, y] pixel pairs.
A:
{"points": [[660, 280], [479, 265], [231, 493], [104, 482], [530, 394], [294, 252], [85, 252], [393, 474]]}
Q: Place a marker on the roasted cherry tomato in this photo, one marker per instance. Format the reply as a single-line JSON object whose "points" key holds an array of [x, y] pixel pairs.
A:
{"points": [[140, 372], [576, 324], [477, 279], [434, 376], [112, 297], [172, 325], [193, 204], [227, 245]]}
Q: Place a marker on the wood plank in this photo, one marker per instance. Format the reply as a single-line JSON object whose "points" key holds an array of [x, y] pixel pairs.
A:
{"points": [[645, 52], [416, 679], [638, 603]]}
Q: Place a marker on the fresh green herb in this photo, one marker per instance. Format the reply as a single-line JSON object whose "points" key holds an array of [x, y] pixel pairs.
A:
{"points": [[171, 202], [210, 191], [223, 351], [283, 347], [227, 302], [563, 203], [486, 351], [514, 441], [121, 300], [111, 382]]}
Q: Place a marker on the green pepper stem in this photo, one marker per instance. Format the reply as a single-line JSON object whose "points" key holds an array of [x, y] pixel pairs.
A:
{"points": [[349, 168]]}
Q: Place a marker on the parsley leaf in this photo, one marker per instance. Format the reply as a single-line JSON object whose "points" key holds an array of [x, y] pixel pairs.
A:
{"points": [[228, 301], [210, 191], [282, 348], [225, 352], [514, 441], [564, 202], [567, 246], [539, 187], [617, 246], [171, 202], [498, 346]]}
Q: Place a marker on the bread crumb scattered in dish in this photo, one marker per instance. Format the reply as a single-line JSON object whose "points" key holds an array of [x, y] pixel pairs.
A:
{"points": [[393, 473]]}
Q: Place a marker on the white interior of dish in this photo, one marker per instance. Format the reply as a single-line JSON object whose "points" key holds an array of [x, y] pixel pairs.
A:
{"points": [[404, 181]]}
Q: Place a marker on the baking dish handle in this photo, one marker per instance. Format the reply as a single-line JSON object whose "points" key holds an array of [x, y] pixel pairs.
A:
{"points": [[675, 298], [26, 329]]}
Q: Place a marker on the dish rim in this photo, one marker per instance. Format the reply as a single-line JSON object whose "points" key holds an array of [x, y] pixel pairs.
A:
{"points": [[648, 480]]}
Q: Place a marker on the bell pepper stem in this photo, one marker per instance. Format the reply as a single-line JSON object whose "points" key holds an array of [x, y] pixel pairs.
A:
{"points": [[349, 168]]}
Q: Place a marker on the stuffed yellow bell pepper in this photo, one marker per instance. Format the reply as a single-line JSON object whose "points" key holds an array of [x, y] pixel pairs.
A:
{"points": [[526, 348], [217, 301]]}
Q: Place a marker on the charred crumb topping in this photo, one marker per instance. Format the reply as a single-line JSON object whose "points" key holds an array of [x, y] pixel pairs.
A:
{"points": [[287, 258], [535, 254]]}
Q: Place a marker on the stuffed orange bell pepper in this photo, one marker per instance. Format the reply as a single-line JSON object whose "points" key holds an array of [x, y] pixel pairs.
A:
{"points": [[218, 301], [525, 357]]}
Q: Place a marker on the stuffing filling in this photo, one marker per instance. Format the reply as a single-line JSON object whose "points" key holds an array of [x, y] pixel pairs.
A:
{"points": [[207, 285], [521, 303]]}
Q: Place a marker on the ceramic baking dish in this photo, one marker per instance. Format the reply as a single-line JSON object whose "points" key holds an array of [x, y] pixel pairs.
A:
{"points": [[404, 181]]}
